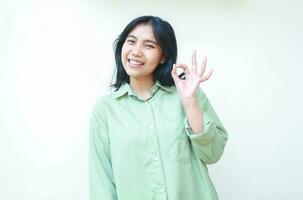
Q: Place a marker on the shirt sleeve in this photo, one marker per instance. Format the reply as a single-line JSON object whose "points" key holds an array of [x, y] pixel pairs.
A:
{"points": [[209, 144], [101, 180]]}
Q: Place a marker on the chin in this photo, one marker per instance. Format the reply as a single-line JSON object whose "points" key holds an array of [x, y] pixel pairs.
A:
{"points": [[134, 74]]}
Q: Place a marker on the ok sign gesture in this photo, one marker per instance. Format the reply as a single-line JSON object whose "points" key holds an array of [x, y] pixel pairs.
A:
{"points": [[188, 85]]}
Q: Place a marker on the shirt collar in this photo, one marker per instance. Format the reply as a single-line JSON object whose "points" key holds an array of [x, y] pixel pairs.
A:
{"points": [[165, 88], [125, 88]]}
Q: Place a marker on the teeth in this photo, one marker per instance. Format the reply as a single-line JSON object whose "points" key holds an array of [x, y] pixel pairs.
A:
{"points": [[135, 62]]}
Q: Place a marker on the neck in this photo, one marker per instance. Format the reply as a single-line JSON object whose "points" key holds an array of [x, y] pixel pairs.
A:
{"points": [[142, 86]]}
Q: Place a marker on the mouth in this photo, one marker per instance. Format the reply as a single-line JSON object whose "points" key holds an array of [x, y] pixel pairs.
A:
{"points": [[135, 63]]}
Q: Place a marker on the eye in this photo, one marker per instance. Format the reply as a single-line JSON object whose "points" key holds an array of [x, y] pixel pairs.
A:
{"points": [[130, 41], [150, 46]]}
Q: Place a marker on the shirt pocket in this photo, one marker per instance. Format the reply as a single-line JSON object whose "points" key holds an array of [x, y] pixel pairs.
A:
{"points": [[178, 147]]}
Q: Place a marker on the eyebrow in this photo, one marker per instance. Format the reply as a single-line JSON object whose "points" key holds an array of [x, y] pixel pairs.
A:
{"points": [[132, 36]]}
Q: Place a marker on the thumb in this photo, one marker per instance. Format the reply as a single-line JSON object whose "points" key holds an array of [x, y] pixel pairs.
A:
{"points": [[174, 73]]}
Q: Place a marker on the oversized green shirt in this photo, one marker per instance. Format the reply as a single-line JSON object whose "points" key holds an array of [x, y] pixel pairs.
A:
{"points": [[146, 150]]}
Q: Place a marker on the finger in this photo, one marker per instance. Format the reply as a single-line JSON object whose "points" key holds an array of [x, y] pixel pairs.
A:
{"points": [[207, 76], [184, 67], [203, 66], [194, 62], [174, 72], [175, 75]]}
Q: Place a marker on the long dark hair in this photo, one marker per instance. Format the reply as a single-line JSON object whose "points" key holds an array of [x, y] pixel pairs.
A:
{"points": [[165, 36]]}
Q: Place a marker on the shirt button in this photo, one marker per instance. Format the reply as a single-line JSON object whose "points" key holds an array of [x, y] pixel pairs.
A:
{"points": [[156, 158], [151, 127], [162, 190], [145, 102]]}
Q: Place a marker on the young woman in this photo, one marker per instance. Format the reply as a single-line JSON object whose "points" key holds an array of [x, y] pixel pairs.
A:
{"points": [[153, 136]]}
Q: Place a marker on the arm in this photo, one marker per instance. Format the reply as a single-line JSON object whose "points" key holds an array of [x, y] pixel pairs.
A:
{"points": [[209, 143], [204, 128], [194, 114], [101, 180]]}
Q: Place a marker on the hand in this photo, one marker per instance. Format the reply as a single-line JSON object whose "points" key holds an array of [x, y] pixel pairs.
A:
{"points": [[187, 87]]}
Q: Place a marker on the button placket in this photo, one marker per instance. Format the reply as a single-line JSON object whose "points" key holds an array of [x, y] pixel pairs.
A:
{"points": [[155, 157]]}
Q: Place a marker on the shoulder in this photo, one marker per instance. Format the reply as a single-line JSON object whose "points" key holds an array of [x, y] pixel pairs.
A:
{"points": [[103, 102], [100, 108]]}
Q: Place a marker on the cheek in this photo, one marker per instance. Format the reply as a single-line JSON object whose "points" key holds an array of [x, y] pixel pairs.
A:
{"points": [[124, 51], [123, 59], [155, 58]]}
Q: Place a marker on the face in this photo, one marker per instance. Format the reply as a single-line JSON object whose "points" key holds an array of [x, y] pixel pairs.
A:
{"points": [[141, 54]]}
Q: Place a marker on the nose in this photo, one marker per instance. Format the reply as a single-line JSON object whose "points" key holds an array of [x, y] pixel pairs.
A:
{"points": [[136, 51]]}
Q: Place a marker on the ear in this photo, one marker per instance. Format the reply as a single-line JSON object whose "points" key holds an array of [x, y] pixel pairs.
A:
{"points": [[162, 61]]}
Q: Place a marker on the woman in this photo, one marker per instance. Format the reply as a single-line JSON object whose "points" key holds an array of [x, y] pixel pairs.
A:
{"points": [[153, 136]]}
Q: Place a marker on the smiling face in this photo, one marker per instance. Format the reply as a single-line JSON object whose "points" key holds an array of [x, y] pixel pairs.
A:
{"points": [[141, 54]]}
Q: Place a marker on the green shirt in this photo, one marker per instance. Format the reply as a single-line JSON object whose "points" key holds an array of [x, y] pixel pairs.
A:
{"points": [[145, 150]]}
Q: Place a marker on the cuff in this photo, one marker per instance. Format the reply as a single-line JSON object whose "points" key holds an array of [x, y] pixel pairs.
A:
{"points": [[188, 129], [204, 137]]}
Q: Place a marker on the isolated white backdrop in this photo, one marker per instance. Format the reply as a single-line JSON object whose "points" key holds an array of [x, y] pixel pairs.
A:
{"points": [[56, 59]]}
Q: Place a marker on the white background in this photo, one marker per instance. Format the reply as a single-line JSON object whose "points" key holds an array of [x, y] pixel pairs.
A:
{"points": [[56, 59]]}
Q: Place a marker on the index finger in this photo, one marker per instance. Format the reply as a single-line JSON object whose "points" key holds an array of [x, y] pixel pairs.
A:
{"points": [[194, 61]]}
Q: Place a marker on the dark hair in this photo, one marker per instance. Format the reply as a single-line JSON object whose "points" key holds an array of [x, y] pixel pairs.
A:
{"points": [[165, 36]]}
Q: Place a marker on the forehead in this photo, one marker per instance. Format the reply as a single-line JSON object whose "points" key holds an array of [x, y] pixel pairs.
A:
{"points": [[143, 32]]}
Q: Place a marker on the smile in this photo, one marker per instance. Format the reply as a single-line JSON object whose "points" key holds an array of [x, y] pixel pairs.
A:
{"points": [[135, 63]]}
